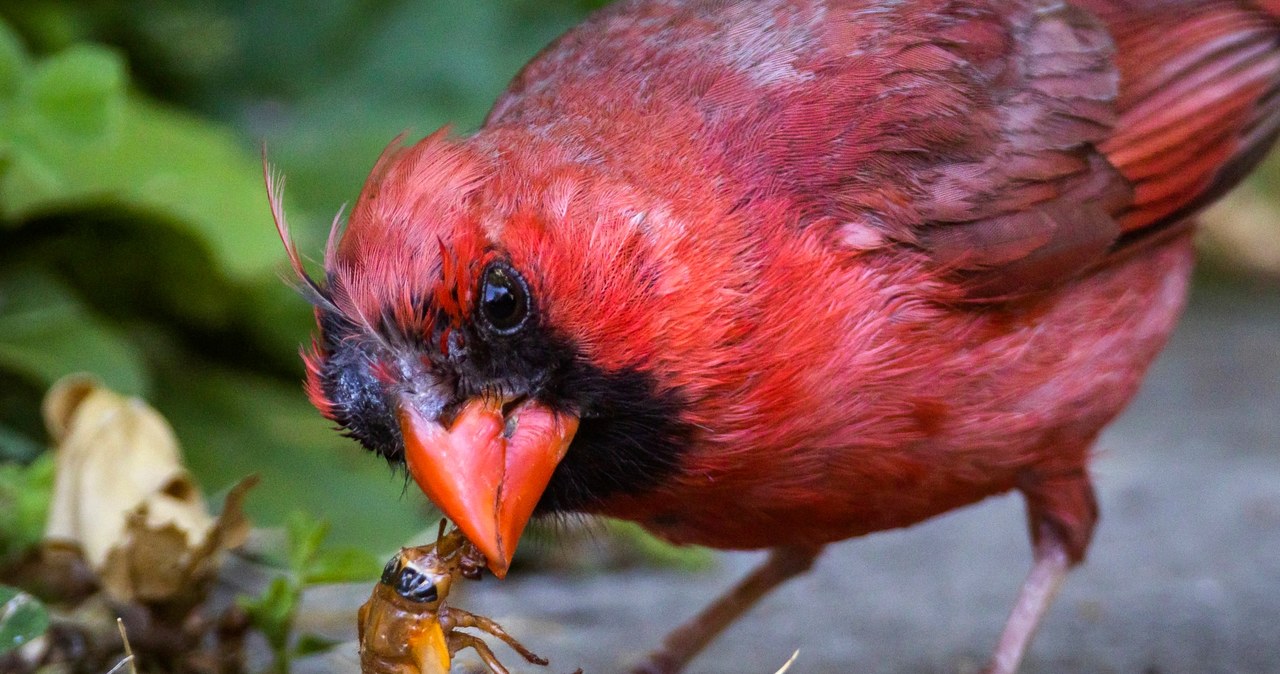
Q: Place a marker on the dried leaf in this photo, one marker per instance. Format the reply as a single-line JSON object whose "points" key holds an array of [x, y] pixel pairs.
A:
{"points": [[162, 564], [123, 494], [150, 564]]}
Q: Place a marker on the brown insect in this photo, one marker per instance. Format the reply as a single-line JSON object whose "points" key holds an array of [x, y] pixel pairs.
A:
{"points": [[406, 628]]}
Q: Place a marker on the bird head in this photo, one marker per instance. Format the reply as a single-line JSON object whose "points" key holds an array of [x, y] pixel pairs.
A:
{"points": [[443, 345]]}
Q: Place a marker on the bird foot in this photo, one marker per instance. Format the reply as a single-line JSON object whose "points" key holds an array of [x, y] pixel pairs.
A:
{"points": [[657, 663]]}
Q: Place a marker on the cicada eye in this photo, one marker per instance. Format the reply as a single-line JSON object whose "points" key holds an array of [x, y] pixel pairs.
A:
{"points": [[389, 571], [504, 299], [416, 586]]}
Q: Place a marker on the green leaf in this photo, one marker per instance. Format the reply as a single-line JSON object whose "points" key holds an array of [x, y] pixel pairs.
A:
{"points": [[310, 644], [25, 494], [46, 333], [72, 139], [22, 618], [191, 173], [305, 535], [28, 179], [330, 93], [13, 64], [272, 611], [78, 94], [22, 429], [17, 446], [342, 565]]}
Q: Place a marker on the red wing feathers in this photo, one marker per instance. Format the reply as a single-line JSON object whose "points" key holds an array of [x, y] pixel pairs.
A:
{"points": [[1115, 121], [1197, 106], [1040, 202]]}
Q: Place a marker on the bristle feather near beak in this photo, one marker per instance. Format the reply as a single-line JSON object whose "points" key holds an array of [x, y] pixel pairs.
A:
{"points": [[335, 234], [312, 291]]}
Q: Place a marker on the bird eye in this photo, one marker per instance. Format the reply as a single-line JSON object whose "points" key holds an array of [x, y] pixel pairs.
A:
{"points": [[504, 299]]}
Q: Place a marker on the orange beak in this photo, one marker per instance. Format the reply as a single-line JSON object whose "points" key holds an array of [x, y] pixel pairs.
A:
{"points": [[484, 479]]}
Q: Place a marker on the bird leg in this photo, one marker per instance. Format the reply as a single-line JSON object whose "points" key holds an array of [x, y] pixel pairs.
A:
{"points": [[687, 640], [1037, 593], [1061, 514]]}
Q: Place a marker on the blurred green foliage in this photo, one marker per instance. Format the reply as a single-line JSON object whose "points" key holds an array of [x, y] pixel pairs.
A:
{"points": [[135, 238], [22, 618], [24, 503], [274, 610]]}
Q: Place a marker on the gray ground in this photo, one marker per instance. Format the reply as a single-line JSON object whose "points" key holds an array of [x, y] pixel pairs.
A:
{"points": [[1184, 574]]}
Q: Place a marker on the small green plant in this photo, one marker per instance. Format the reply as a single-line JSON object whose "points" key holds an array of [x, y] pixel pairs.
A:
{"points": [[305, 563], [22, 618], [25, 492]]}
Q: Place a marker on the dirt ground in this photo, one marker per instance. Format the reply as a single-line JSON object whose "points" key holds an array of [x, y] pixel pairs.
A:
{"points": [[1183, 577]]}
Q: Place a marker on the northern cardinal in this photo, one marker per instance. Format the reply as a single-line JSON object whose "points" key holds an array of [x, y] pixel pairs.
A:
{"points": [[783, 272]]}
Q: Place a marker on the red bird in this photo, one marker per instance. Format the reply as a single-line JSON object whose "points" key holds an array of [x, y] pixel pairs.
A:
{"points": [[783, 272]]}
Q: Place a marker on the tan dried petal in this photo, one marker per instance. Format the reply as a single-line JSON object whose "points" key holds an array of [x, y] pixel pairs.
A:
{"points": [[156, 563], [150, 565], [123, 495], [115, 453], [62, 400], [231, 529]]}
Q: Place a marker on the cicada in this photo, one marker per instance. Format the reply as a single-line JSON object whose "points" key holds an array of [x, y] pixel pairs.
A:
{"points": [[406, 627]]}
